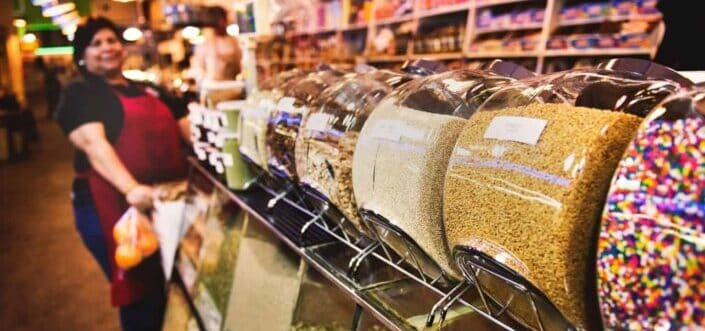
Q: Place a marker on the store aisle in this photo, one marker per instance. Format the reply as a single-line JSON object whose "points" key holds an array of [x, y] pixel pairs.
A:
{"points": [[48, 280]]}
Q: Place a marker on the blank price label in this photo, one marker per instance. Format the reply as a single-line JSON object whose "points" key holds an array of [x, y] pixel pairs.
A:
{"points": [[513, 128]]}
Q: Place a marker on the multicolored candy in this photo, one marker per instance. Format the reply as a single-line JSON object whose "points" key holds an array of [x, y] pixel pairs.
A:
{"points": [[651, 250]]}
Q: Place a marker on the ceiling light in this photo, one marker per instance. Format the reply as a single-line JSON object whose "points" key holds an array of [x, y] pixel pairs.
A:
{"points": [[69, 29], [19, 23], [197, 40], [65, 18], [190, 32], [233, 29], [29, 38], [60, 9], [43, 2], [132, 34]]}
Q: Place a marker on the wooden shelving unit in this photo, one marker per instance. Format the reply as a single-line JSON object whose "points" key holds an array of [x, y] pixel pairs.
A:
{"points": [[552, 22]]}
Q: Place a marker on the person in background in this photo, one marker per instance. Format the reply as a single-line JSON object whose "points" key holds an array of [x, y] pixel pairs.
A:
{"points": [[128, 137], [218, 57], [52, 85]]}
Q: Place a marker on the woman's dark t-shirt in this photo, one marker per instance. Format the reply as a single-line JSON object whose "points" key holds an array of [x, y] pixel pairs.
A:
{"points": [[90, 99]]}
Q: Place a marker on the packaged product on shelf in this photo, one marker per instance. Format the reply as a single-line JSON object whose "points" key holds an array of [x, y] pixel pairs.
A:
{"points": [[402, 153], [327, 140], [254, 116], [525, 187], [284, 122], [548, 167], [651, 253]]}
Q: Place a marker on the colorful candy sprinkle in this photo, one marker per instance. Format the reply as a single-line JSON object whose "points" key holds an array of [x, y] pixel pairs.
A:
{"points": [[651, 251]]}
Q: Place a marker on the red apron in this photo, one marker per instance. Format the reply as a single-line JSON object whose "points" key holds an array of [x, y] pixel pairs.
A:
{"points": [[149, 146]]}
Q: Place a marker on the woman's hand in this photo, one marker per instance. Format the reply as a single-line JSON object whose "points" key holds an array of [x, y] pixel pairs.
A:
{"points": [[140, 197]]}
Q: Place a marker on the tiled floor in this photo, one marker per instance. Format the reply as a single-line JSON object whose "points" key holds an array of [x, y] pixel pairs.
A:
{"points": [[48, 280]]}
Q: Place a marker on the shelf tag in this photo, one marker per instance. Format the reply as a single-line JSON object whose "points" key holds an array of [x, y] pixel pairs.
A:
{"points": [[513, 128], [227, 159], [319, 122], [388, 130]]}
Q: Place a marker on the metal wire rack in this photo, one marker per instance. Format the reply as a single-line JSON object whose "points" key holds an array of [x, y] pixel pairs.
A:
{"points": [[310, 234]]}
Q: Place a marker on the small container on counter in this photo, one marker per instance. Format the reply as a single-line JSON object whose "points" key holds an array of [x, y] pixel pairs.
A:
{"points": [[527, 181], [230, 114], [401, 157], [237, 174], [651, 253]]}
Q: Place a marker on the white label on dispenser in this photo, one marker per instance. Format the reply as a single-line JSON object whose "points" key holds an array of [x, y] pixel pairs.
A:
{"points": [[512, 128], [319, 122], [223, 120], [211, 136], [388, 130], [227, 159], [200, 153], [287, 104]]}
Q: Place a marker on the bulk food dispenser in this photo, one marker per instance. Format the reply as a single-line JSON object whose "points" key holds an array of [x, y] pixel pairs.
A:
{"points": [[327, 140], [651, 253], [401, 157], [526, 184], [284, 122]]}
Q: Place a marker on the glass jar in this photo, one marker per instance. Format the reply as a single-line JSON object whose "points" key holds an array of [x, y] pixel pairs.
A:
{"points": [[401, 157], [283, 123], [527, 180], [328, 136], [651, 253]]}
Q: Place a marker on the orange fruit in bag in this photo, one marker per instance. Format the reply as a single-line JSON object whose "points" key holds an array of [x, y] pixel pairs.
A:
{"points": [[147, 243], [127, 256], [121, 232]]}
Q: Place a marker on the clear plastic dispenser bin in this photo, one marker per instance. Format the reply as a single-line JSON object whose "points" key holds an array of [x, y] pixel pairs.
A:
{"points": [[253, 123], [526, 185], [284, 122], [651, 248], [327, 139], [401, 158]]}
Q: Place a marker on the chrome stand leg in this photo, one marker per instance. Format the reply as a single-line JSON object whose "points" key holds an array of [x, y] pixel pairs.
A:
{"points": [[274, 200], [448, 298], [355, 262]]}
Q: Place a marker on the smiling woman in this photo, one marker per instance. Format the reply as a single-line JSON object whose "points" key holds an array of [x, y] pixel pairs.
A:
{"points": [[128, 137]]}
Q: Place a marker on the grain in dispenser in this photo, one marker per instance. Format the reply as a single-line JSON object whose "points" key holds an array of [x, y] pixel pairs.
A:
{"points": [[327, 140], [254, 116], [526, 185], [284, 122], [402, 154]]}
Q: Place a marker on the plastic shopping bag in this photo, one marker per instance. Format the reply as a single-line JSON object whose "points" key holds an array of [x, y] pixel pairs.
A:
{"points": [[135, 239]]}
